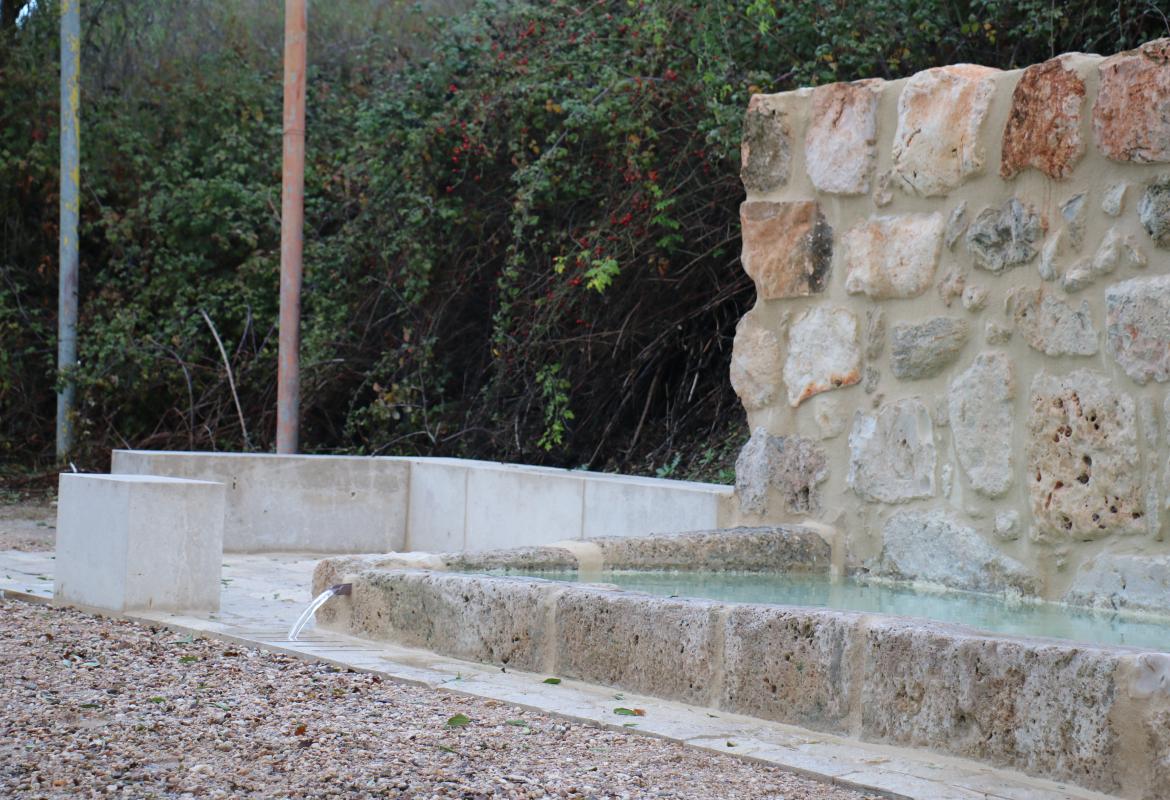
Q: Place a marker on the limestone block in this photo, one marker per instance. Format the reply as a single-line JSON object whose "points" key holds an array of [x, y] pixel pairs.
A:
{"points": [[932, 546], [1137, 314], [1041, 709], [1005, 237], [925, 349], [1044, 125], [824, 353], [789, 665], [980, 403], [891, 453], [766, 149], [787, 248], [974, 298], [643, 644], [1053, 248], [840, 141], [1138, 582], [1074, 212], [757, 363], [788, 548], [956, 223], [875, 332], [1052, 326], [139, 543], [793, 465], [940, 115], [1154, 211], [887, 257], [1131, 117], [1113, 201], [1083, 470]]}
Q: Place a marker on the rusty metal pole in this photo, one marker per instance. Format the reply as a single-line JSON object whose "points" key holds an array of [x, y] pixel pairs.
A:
{"points": [[69, 210], [292, 221]]}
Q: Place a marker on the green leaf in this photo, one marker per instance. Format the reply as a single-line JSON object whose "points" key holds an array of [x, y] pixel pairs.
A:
{"points": [[447, 749], [629, 724], [157, 700], [188, 659], [516, 723], [552, 681], [458, 721], [625, 712]]}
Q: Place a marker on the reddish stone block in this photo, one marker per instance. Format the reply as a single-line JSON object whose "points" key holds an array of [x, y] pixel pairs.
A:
{"points": [[1044, 126], [1131, 118], [787, 248]]}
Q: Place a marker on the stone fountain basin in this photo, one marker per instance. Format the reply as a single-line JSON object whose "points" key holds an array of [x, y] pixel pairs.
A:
{"points": [[1094, 715]]}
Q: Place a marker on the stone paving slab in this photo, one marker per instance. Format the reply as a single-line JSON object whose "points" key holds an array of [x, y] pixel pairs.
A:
{"points": [[263, 595]]}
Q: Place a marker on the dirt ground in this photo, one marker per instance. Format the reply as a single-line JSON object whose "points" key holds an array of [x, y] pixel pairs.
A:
{"points": [[28, 525]]}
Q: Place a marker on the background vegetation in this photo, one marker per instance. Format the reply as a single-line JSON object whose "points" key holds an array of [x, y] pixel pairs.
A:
{"points": [[521, 222]]}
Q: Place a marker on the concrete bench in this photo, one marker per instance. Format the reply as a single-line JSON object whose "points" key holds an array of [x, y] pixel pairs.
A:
{"points": [[139, 542]]}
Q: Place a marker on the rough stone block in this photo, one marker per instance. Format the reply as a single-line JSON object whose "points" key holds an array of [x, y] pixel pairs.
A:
{"points": [[139, 543], [793, 465], [1154, 211], [840, 141], [891, 453], [1138, 318], [932, 546], [980, 406], [888, 257], [1044, 125], [1041, 709], [937, 145], [824, 353], [639, 643], [788, 548], [1120, 581], [790, 665], [787, 248], [766, 149], [1084, 473], [1005, 237], [923, 350], [1131, 117], [757, 363], [1051, 326]]}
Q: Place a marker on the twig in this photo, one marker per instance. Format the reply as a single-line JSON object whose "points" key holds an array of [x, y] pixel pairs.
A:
{"points": [[231, 379]]}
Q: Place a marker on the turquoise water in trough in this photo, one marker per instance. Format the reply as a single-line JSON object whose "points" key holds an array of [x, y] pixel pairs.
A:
{"points": [[986, 612]]}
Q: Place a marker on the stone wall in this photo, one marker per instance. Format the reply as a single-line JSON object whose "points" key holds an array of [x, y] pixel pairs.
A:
{"points": [[959, 352]]}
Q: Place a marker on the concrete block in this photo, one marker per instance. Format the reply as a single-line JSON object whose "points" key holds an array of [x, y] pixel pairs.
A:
{"points": [[513, 506], [437, 521], [315, 504], [639, 506], [132, 543]]}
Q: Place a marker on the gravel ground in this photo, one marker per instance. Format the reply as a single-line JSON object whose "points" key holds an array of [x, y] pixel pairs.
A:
{"points": [[93, 707], [28, 526]]}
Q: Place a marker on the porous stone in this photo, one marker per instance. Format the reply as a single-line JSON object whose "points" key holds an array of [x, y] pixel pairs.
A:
{"points": [[947, 479], [793, 465], [1043, 130], [791, 665], [787, 248], [1138, 319], [891, 453], [1131, 117], [1083, 469], [840, 141], [780, 548], [1113, 201], [923, 350], [1139, 582], [1074, 211], [824, 353], [1154, 211], [766, 148], [757, 363], [1005, 237], [956, 224], [1007, 525], [1051, 326], [932, 546], [875, 332], [980, 403], [940, 116], [888, 257], [1042, 709], [974, 298]]}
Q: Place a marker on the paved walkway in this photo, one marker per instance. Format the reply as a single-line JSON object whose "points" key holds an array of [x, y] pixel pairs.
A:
{"points": [[263, 595]]}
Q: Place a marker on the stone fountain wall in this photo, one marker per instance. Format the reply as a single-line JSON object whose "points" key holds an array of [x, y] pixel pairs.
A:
{"points": [[959, 354]]}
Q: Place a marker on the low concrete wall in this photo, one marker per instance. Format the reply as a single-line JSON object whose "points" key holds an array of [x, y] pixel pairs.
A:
{"points": [[1094, 716], [350, 504]]}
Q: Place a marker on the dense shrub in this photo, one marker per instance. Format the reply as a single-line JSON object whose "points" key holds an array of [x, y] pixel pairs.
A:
{"points": [[521, 236]]}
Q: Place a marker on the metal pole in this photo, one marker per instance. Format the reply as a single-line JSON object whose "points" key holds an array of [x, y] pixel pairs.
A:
{"points": [[292, 219], [67, 253]]}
